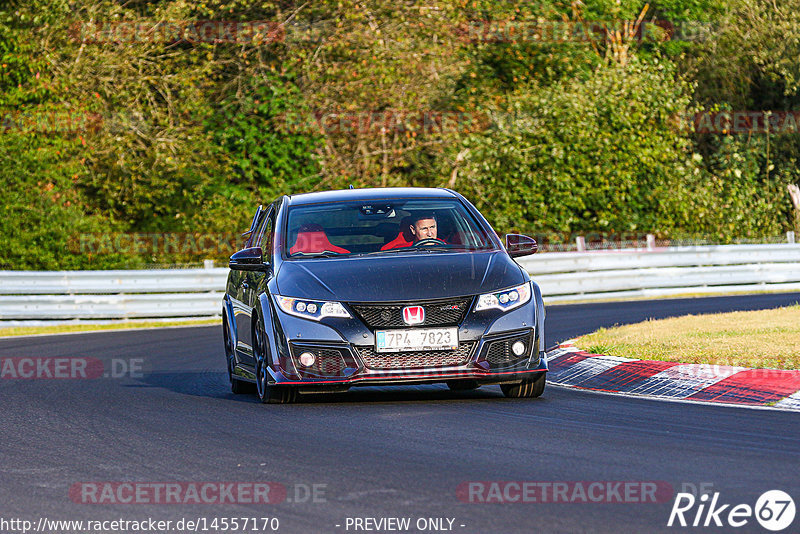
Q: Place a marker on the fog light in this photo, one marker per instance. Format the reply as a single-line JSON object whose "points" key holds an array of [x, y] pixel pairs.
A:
{"points": [[307, 359], [518, 348]]}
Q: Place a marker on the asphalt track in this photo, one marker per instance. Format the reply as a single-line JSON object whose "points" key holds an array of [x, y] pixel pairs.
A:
{"points": [[377, 452]]}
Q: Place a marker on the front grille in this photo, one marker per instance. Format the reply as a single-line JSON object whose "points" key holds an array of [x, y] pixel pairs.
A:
{"points": [[417, 359], [448, 312], [499, 353], [329, 362]]}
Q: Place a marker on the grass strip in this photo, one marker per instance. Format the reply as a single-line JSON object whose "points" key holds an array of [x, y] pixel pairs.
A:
{"points": [[90, 327], [757, 339]]}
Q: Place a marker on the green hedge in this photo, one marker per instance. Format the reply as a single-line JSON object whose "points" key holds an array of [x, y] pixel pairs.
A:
{"points": [[568, 137]]}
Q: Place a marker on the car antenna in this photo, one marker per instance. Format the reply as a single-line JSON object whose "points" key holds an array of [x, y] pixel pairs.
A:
{"points": [[351, 186]]}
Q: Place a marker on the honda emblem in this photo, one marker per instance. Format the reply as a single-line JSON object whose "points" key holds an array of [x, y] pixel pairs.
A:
{"points": [[414, 314]]}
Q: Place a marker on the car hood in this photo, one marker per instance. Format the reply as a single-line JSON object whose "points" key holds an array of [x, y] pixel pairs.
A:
{"points": [[398, 276]]}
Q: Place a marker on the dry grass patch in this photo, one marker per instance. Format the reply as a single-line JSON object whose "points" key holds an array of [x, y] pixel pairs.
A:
{"points": [[68, 328], [760, 339]]}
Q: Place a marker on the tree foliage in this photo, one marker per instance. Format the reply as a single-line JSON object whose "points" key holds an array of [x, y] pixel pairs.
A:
{"points": [[560, 132]]}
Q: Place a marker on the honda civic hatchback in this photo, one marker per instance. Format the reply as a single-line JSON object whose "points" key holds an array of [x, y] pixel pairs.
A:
{"points": [[390, 286]]}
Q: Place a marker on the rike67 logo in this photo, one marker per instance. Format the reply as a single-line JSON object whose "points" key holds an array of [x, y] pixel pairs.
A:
{"points": [[774, 510]]}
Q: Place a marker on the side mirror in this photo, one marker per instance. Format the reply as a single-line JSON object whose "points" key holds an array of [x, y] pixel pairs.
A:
{"points": [[249, 259], [520, 245]]}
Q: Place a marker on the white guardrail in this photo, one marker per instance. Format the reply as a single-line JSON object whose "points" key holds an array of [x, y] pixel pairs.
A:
{"points": [[157, 293], [563, 277]]}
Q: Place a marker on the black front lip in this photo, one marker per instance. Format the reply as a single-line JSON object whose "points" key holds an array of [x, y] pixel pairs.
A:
{"points": [[408, 377]]}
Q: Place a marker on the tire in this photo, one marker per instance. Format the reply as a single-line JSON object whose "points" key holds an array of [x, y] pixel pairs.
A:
{"points": [[525, 389], [268, 393], [462, 385], [238, 387]]}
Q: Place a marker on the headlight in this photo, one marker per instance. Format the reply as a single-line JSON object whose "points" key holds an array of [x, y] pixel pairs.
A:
{"points": [[311, 309], [505, 300]]}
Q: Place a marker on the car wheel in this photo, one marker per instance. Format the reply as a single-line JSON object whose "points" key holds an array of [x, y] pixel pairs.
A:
{"points": [[237, 386], [526, 388], [462, 385], [268, 394]]}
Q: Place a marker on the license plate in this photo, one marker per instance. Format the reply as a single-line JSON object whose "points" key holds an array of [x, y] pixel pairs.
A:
{"points": [[416, 339]]}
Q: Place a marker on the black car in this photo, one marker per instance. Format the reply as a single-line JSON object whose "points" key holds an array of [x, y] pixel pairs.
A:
{"points": [[377, 287]]}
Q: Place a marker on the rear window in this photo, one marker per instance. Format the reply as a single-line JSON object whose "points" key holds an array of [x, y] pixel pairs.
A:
{"points": [[382, 227]]}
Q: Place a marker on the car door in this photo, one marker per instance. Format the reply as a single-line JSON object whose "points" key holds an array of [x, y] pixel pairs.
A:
{"points": [[247, 292], [254, 280]]}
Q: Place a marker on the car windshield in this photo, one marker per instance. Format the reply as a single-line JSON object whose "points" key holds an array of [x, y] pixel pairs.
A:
{"points": [[382, 227]]}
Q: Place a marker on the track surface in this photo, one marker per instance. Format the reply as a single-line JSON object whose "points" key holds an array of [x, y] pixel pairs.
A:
{"points": [[380, 452]]}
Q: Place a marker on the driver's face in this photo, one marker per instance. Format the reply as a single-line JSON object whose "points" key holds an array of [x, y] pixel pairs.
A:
{"points": [[424, 229]]}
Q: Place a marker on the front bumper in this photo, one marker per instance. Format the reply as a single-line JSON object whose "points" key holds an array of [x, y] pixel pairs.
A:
{"points": [[346, 356]]}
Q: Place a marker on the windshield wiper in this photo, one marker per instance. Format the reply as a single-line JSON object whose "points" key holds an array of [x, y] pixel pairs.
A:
{"points": [[431, 248], [392, 250], [325, 254]]}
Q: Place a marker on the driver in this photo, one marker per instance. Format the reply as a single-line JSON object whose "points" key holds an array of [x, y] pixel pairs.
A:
{"points": [[423, 226]]}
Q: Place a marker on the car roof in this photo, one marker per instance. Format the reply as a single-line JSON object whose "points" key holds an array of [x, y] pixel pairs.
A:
{"points": [[369, 194]]}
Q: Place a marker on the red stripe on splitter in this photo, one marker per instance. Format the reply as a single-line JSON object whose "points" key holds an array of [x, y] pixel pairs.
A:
{"points": [[628, 375], [754, 386]]}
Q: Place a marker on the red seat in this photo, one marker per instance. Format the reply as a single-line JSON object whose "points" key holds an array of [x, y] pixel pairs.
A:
{"points": [[455, 238], [397, 242], [404, 237], [312, 239]]}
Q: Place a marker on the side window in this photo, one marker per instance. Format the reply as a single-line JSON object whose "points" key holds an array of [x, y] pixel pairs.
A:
{"points": [[255, 237], [265, 234], [251, 233]]}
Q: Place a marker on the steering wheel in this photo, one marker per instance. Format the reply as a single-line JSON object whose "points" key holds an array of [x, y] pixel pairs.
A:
{"points": [[429, 241]]}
